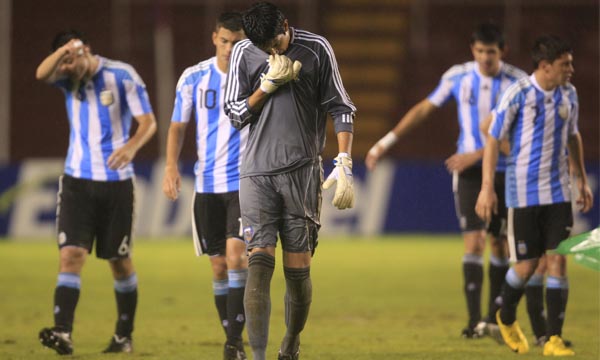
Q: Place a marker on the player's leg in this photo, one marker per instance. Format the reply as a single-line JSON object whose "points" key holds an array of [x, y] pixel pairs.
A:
{"points": [[260, 207], [208, 223], [237, 273], [126, 296], [499, 264], [75, 216], [525, 246], [298, 297], [299, 235], [534, 293], [114, 242], [558, 220], [466, 189]]}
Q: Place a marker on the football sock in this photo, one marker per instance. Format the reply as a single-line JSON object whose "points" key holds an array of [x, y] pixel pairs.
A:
{"points": [[534, 293], [257, 302], [221, 291], [66, 295], [473, 279], [512, 292], [236, 317], [557, 294], [496, 274], [126, 295], [298, 297]]}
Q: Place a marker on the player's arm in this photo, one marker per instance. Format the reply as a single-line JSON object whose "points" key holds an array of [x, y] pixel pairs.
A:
{"points": [[413, 118], [53, 67], [585, 200], [145, 130], [487, 201], [172, 179], [484, 126], [240, 107]]}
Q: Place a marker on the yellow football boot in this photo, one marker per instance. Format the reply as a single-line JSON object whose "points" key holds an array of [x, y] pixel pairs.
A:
{"points": [[513, 336], [556, 347]]}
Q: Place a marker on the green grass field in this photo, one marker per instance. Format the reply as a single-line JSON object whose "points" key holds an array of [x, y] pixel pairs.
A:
{"points": [[384, 298]]}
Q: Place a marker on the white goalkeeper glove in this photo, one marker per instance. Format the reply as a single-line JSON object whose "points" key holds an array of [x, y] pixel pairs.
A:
{"points": [[342, 174], [281, 71]]}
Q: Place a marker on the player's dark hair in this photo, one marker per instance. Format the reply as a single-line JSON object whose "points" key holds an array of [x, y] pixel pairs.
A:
{"points": [[263, 21], [231, 21], [489, 34], [549, 48], [64, 37]]}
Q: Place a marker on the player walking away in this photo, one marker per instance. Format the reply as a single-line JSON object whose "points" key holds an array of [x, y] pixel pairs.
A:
{"points": [[216, 209], [534, 289], [539, 116], [95, 196], [475, 86], [282, 82]]}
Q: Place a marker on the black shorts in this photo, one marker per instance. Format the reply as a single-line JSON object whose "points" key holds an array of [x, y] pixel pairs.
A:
{"points": [[215, 218], [497, 226], [466, 187], [533, 230], [90, 210], [287, 204]]}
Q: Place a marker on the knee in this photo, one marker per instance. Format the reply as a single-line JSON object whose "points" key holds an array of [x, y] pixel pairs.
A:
{"points": [[122, 268], [236, 255], [219, 268], [72, 259]]}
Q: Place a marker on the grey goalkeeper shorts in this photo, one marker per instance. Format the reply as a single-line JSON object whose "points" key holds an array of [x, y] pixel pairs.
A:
{"points": [[288, 205]]}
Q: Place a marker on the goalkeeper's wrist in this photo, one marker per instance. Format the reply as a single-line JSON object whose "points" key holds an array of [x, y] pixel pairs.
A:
{"points": [[388, 140], [343, 155], [268, 86]]}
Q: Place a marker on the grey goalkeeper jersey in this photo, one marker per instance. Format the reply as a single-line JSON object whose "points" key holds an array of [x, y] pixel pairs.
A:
{"points": [[289, 131]]}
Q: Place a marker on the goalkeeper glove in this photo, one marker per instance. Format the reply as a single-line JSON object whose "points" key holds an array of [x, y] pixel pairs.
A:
{"points": [[342, 174], [281, 71]]}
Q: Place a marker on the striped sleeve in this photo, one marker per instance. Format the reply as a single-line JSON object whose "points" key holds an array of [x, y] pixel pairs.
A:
{"points": [[443, 92], [184, 102], [135, 92], [238, 88], [334, 97], [505, 113], [574, 111]]}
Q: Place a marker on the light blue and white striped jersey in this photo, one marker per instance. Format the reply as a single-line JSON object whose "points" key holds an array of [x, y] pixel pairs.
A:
{"points": [[220, 146], [475, 95], [100, 113], [538, 124]]}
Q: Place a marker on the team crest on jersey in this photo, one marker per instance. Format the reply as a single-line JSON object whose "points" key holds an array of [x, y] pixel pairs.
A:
{"points": [[106, 97], [248, 233], [521, 247], [563, 111]]}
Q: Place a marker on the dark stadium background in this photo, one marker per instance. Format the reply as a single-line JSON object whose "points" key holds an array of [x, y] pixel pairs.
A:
{"points": [[391, 54]]}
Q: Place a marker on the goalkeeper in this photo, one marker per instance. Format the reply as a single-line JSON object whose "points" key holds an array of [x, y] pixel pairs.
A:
{"points": [[282, 82]]}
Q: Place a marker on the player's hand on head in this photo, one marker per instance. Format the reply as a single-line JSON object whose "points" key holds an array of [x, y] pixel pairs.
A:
{"points": [[171, 183], [342, 176]]}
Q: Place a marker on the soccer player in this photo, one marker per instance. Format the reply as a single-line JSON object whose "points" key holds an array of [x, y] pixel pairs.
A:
{"points": [[282, 82], [539, 116], [534, 289], [475, 86], [216, 208], [95, 196]]}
